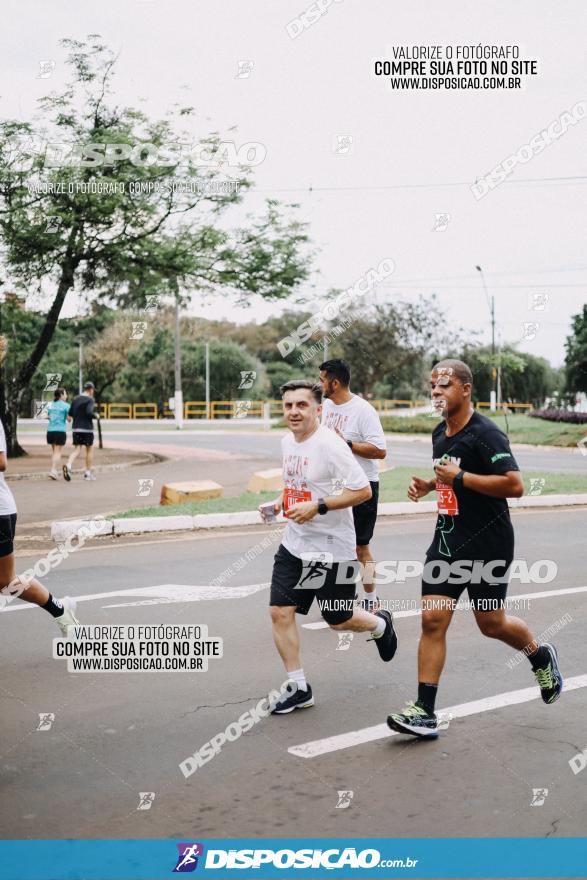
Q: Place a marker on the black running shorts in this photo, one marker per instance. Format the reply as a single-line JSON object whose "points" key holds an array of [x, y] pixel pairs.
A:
{"points": [[7, 530], [56, 438], [365, 515], [336, 601], [80, 438], [485, 594]]}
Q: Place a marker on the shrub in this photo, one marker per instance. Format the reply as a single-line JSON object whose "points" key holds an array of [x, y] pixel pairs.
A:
{"points": [[559, 415]]}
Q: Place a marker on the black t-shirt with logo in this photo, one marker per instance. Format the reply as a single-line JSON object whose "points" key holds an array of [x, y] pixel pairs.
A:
{"points": [[482, 528]]}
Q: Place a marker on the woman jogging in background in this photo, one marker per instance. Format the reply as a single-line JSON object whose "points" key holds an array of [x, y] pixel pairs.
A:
{"points": [[57, 410]]}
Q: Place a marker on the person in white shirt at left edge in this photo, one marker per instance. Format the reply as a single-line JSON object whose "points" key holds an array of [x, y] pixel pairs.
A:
{"points": [[317, 555]]}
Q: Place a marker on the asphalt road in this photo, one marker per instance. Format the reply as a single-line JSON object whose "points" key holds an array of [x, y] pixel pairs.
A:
{"points": [[401, 451], [266, 445], [116, 735]]}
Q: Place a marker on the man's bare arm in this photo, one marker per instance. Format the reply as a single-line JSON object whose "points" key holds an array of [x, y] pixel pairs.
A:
{"points": [[508, 485], [368, 450]]}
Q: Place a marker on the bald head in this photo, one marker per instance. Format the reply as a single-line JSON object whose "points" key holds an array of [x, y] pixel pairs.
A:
{"points": [[453, 367]]}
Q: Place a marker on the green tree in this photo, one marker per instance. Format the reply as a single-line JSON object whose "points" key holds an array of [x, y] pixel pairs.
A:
{"points": [[576, 354], [387, 345], [148, 374], [109, 220], [278, 373], [525, 378]]}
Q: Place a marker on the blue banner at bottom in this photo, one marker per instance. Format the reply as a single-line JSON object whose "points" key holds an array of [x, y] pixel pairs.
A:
{"points": [[293, 857]]}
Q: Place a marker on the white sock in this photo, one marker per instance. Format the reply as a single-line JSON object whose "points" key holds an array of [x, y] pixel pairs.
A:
{"points": [[371, 597], [298, 676], [379, 629]]}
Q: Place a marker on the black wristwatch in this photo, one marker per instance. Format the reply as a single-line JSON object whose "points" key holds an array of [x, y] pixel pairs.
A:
{"points": [[322, 509], [349, 443], [458, 480]]}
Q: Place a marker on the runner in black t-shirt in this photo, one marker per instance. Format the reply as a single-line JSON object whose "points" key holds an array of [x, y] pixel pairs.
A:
{"points": [[475, 475], [82, 413]]}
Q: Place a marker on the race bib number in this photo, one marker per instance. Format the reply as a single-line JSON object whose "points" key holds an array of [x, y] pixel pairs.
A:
{"points": [[446, 500], [294, 496]]}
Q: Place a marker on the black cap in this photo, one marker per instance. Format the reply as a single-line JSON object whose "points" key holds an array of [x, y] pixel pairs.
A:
{"points": [[89, 385]]}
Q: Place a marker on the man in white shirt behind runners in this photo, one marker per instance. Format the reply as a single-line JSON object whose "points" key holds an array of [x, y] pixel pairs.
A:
{"points": [[318, 545], [357, 422]]}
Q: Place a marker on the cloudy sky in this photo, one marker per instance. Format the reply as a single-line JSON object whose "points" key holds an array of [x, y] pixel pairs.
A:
{"points": [[412, 154]]}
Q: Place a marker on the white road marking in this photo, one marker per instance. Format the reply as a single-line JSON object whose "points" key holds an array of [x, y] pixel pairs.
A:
{"points": [[380, 731], [177, 593], [173, 593], [416, 612], [159, 595]]}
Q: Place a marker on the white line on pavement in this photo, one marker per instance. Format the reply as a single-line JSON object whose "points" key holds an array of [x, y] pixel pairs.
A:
{"points": [[380, 731], [416, 612], [162, 594], [177, 593]]}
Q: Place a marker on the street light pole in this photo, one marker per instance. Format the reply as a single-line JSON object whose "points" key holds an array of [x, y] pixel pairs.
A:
{"points": [[178, 397], [207, 358], [491, 304], [80, 340]]}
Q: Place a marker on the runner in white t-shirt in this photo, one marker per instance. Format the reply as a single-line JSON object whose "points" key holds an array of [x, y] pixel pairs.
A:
{"points": [[316, 559], [357, 422], [27, 588]]}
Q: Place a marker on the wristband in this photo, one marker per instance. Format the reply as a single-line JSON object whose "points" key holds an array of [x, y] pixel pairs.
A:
{"points": [[350, 444], [458, 480]]}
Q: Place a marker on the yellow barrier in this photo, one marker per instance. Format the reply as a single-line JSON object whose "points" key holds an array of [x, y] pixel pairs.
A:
{"points": [[194, 408], [390, 404], [236, 409], [255, 408], [138, 411], [514, 407], [113, 414]]}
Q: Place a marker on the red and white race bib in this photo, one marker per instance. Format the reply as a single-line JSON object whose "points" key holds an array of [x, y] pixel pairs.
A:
{"points": [[446, 500], [294, 496]]}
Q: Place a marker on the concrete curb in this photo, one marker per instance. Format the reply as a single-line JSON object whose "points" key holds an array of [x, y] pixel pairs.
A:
{"points": [[140, 524]]}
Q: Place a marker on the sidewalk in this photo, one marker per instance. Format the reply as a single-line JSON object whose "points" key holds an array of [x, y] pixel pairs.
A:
{"points": [[43, 501], [37, 463]]}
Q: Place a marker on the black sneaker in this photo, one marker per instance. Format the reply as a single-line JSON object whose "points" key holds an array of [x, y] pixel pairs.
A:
{"points": [[66, 473], [387, 641], [293, 698], [415, 720], [549, 678]]}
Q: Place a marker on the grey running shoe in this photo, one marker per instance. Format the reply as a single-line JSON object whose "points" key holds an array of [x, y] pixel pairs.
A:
{"points": [[293, 698]]}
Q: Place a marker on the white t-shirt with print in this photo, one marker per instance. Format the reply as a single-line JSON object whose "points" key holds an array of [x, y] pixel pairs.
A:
{"points": [[357, 420], [7, 502], [320, 466]]}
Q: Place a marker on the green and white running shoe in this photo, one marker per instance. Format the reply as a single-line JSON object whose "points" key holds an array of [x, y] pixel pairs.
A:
{"points": [[68, 617], [415, 720], [549, 678]]}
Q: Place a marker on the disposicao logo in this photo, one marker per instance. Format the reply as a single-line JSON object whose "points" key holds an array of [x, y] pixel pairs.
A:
{"points": [[187, 859]]}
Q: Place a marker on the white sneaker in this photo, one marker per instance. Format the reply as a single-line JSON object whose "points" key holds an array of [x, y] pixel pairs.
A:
{"points": [[53, 475], [89, 476], [68, 617]]}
